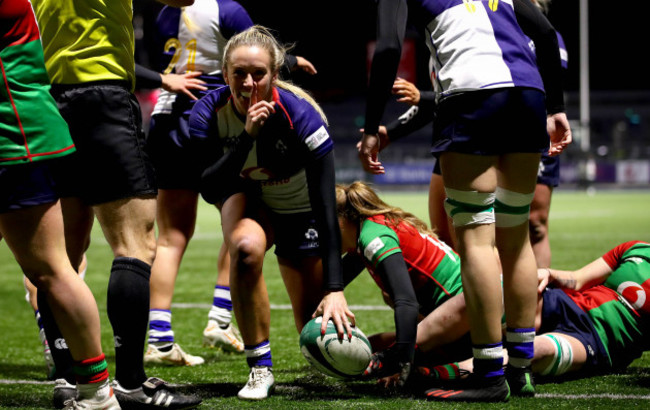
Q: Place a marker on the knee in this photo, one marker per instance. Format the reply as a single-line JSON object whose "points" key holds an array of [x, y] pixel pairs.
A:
{"points": [[248, 255], [538, 226]]}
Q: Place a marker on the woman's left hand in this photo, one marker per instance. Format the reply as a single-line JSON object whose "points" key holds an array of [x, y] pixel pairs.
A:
{"points": [[335, 307]]}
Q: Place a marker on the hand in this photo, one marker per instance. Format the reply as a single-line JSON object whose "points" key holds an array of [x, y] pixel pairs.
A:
{"points": [[183, 83], [335, 307], [558, 128], [543, 279], [407, 91], [398, 379], [258, 113], [368, 153], [305, 65]]}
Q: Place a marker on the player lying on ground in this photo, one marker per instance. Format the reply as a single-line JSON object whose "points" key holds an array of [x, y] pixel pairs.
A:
{"points": [[589, 321]]}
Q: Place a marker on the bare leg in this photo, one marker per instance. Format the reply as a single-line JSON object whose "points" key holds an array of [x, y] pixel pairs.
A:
{"points": [[304, 281], [247, 244], [35, 236], [440, 221], [176, 218], [539, 213]]}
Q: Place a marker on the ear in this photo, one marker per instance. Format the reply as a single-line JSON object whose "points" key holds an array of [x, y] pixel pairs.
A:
{"points": [[225, 76]]}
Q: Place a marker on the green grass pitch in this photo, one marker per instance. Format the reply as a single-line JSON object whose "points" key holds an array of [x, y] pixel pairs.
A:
{"points": [[583, 227]]}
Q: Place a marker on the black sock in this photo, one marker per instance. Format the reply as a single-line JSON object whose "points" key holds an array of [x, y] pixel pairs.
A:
{"points": [[128, 312], [60, 353]]}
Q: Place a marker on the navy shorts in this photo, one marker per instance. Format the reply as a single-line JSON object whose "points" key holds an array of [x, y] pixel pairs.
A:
{"points": [[492, 122], [26, 185], [549, 170], [295, 235], [167, 142], [111, 163], [561, 315]]}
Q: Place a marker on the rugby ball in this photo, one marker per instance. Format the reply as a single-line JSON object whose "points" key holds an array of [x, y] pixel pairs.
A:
{"points": [[341, 358]]}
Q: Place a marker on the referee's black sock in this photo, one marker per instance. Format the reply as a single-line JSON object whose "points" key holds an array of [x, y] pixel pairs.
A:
{"points": [[128, 312], [60, 353]]}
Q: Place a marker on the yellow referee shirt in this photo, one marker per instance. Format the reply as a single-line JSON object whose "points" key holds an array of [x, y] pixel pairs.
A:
{"points": [[87, 40]]}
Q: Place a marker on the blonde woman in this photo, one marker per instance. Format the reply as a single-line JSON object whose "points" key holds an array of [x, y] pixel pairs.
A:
{"points": [[273, 172]]}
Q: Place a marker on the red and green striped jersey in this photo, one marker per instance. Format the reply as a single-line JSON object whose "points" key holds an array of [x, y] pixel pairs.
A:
{"points": [[433, 266], [31, 127], [620, 307]]}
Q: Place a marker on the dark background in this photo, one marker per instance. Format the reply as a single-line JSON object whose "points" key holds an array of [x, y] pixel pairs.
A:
{"points": [[333, 35]]}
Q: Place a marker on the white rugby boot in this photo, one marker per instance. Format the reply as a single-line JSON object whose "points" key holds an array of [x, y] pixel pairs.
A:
{"points": [[228, 339], [260, 384], [173, 357]]}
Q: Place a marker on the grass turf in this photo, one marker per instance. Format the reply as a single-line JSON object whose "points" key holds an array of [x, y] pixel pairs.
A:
{"points": [[583, 227]]}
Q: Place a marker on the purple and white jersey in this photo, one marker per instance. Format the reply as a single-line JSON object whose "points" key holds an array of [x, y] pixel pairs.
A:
{"points": [[292, 138], [475, 45], [194, 39]]}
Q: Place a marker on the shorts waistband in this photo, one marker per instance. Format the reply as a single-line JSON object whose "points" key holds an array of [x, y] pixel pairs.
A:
{"points": [[66, 87]]}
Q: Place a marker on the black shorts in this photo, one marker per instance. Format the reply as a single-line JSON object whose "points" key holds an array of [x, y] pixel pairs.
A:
{"points": [[295, 235], [176, 167], [549, 170], [560, 314], [492, 122], [26, 185], [111, 163]]}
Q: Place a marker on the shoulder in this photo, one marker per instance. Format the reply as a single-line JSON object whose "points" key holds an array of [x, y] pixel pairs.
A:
{"points": [[298, 111], [234, 14], [207, 107]]}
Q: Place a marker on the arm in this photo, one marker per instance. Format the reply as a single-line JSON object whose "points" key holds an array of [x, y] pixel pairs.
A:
{"points": [[352, 266], [175, 83], [593, 274], [321, 185], [539, 29], [395, 276], [177, 3], [391, 27]]}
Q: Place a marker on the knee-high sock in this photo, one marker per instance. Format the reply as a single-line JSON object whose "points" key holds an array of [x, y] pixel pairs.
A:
{"points": [[60, 353], [128, 312]]}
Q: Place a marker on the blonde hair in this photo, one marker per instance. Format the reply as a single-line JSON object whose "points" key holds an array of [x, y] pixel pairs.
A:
{"points": [[262, 37], [358, 201]]}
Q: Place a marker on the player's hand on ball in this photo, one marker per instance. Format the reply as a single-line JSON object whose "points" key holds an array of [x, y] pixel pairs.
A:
{"points": [[335, 307]]}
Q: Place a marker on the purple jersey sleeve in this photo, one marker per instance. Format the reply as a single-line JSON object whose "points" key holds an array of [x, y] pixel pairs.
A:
{"points": [[233, 18]]}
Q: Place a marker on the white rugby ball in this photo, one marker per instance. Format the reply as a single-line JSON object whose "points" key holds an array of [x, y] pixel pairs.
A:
{"points": [[340, 358]]}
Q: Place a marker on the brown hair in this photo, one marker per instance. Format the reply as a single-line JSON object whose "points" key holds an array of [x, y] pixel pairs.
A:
{"points": [[358, 201]]}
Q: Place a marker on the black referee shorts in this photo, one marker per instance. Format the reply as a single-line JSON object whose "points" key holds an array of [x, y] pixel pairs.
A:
{"points": [[111, 162]]}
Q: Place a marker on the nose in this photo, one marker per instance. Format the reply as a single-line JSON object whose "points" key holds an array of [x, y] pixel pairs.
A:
{"points": [[248, 81]]}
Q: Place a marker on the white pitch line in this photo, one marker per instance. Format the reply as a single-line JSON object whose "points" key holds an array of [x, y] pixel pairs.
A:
{"points": [[610, 396], [277, 307]]}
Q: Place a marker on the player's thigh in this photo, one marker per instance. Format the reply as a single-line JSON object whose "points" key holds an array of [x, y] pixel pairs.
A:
{"points": [[517, 172], [128, 226], [176, 212], [303, 279]]}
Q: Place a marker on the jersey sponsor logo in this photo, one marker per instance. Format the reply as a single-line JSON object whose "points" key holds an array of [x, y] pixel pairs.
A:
{"points": [[257, 173], [372, 248], [317, 139], [633, 293]]}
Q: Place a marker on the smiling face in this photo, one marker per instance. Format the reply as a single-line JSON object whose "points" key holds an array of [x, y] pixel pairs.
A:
{"points": [[250, 71]]}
